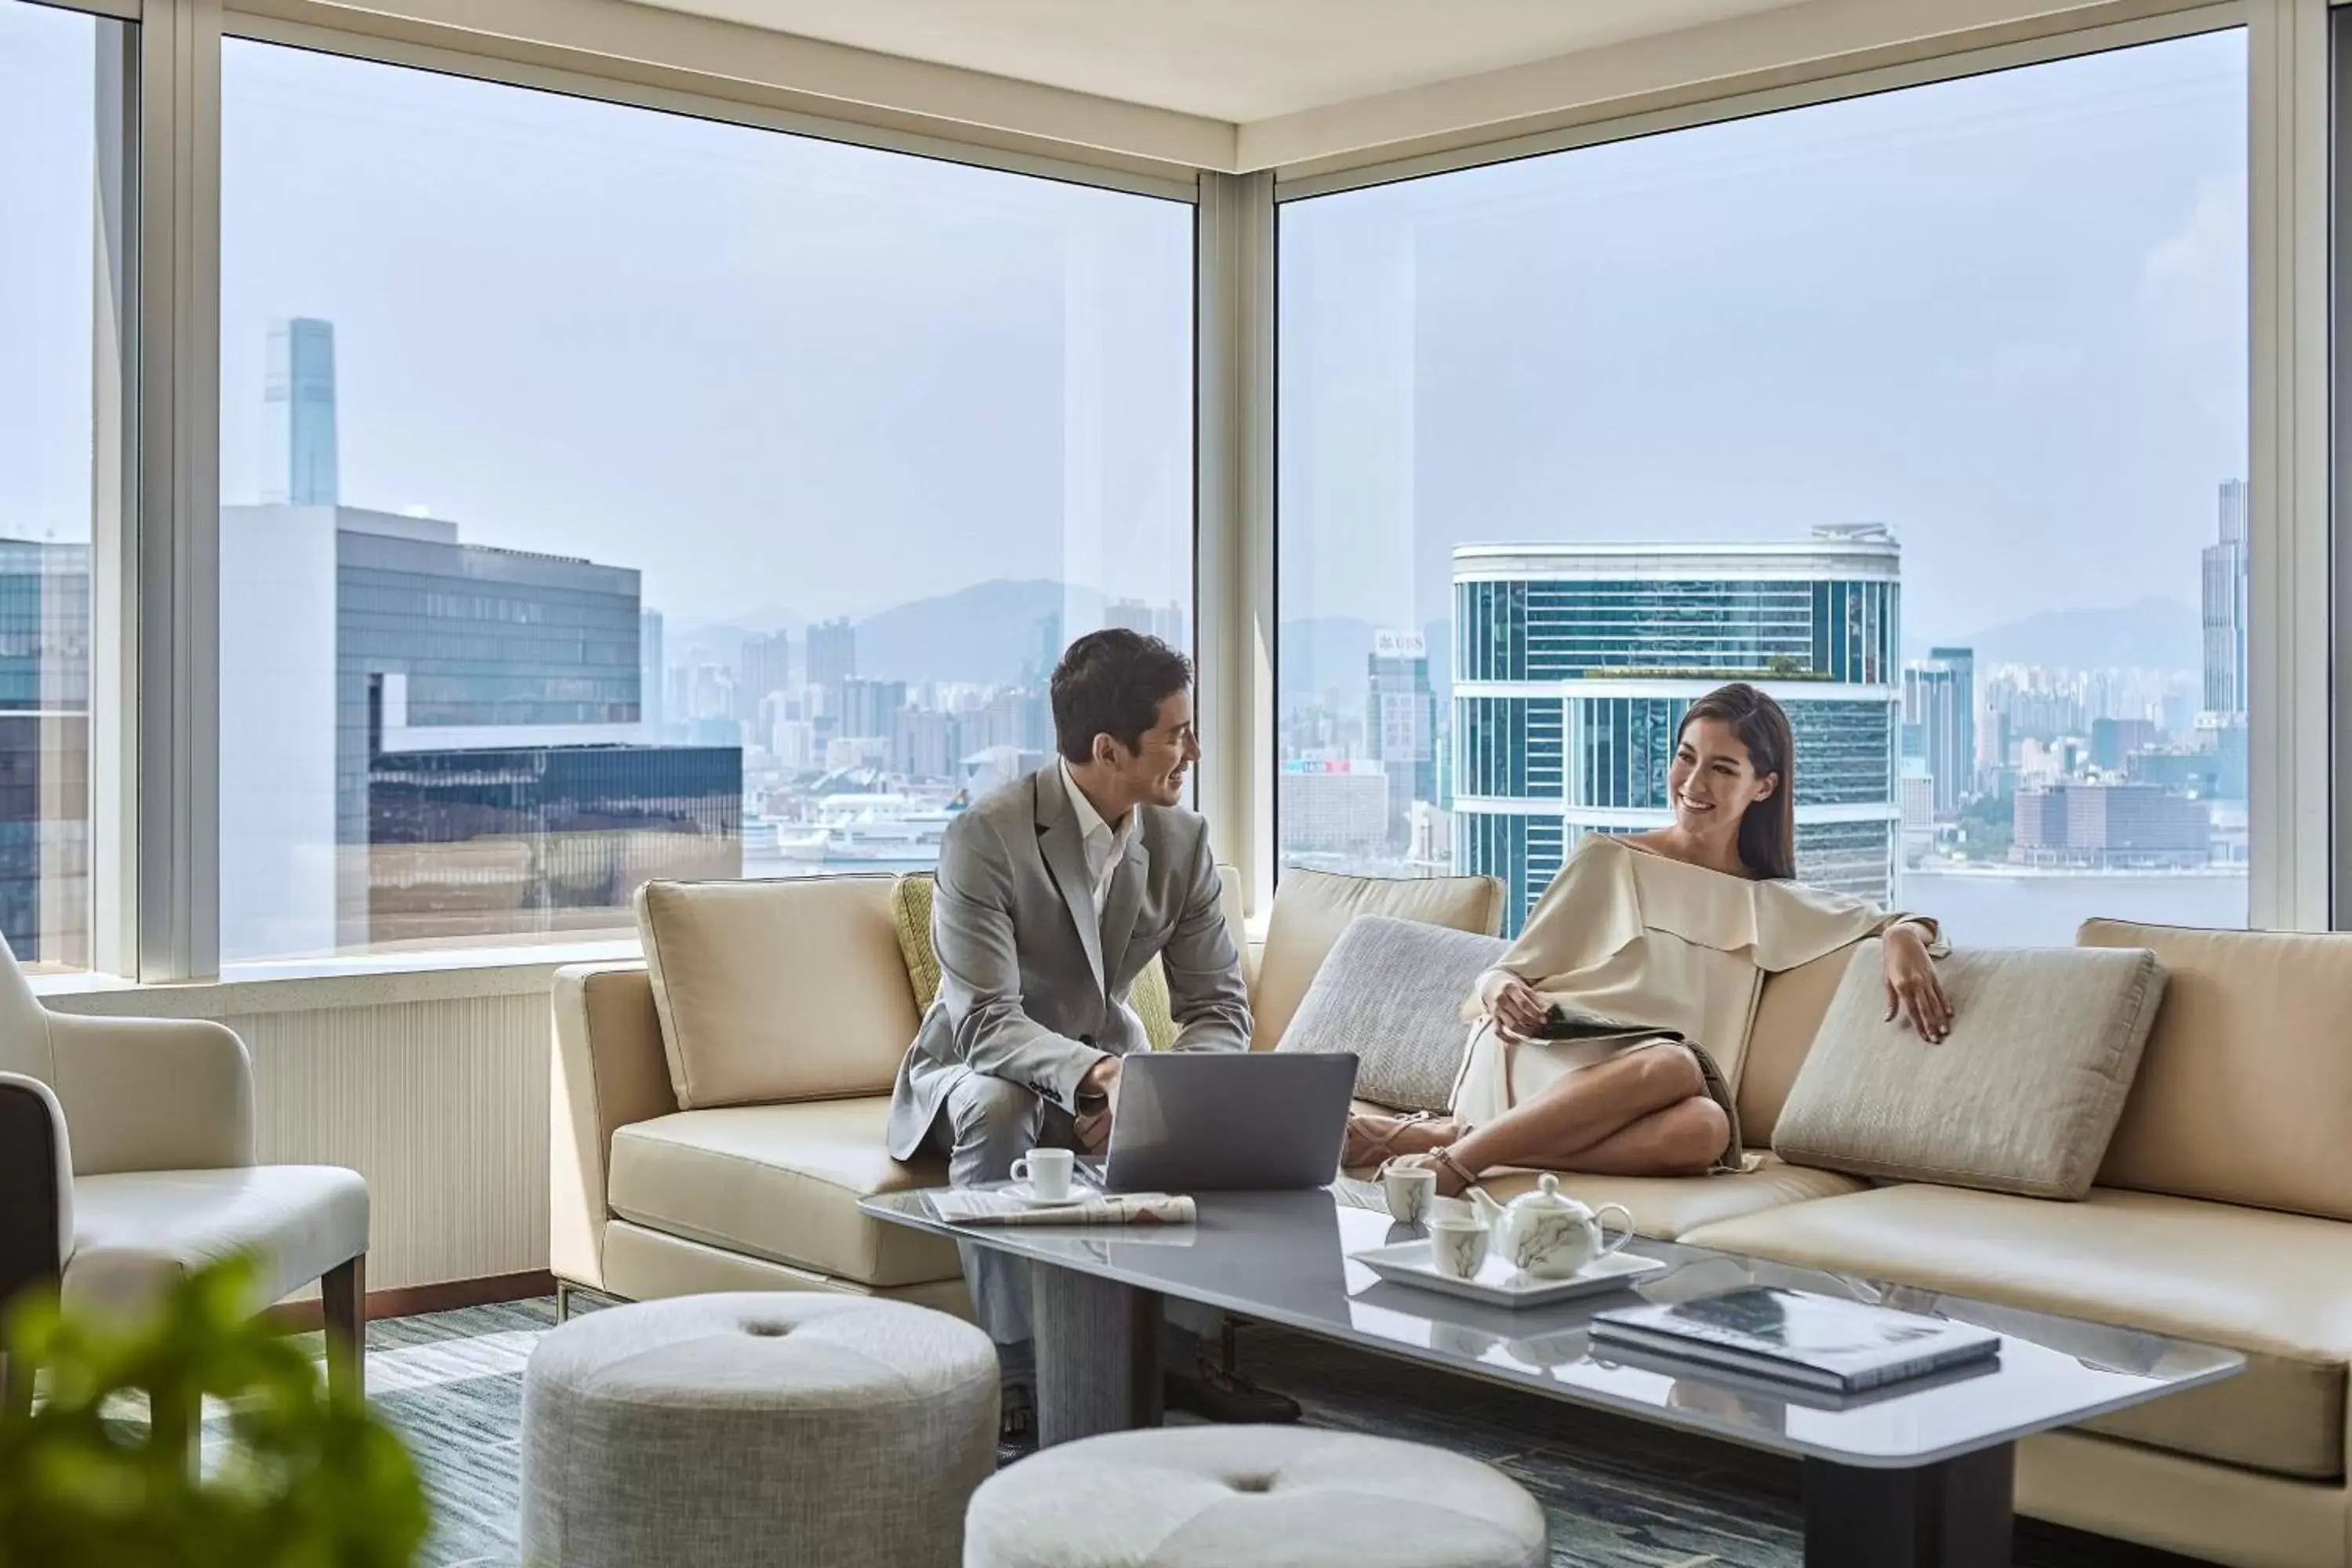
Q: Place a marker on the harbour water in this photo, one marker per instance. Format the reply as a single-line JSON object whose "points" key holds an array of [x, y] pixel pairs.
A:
{"points": [[2043, 909]]}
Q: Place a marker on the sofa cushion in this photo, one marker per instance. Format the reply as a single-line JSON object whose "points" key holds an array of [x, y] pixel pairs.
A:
{"points": [[1392, 991], [1788, 1015], [783, 1183], [910, 914], [2241, 1094], [2021, 1097], [776, 991], [1312, 908], [2269, 1285]]}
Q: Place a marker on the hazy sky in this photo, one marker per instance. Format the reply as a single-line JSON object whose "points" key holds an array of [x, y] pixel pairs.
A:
{"points": [[2005, 315]]}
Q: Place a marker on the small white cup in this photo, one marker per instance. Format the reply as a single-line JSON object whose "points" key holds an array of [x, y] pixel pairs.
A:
{"points": [[1409, 1192], [1457, 1246], [1046, 1173]]}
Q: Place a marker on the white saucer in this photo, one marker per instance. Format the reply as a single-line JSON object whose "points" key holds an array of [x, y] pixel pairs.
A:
{"points": [[1020, 1193]]}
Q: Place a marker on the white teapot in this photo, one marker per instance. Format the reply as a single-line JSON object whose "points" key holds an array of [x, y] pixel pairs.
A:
{"points": [[1547, 1234]]}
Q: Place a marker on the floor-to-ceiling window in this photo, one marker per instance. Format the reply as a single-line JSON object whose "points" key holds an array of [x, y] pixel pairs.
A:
{"points": [[1926, 411], [610, 494], [61, 246]]}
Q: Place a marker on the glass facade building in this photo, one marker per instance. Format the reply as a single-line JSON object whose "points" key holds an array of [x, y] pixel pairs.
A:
{"points": [[45, 654], [1576, 663]]}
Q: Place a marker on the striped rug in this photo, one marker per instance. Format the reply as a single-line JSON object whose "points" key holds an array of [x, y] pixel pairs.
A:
{"points": [[1620, 1494]]}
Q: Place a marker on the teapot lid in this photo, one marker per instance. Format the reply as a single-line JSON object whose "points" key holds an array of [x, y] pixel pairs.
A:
{"points": [[1547, 1196]]}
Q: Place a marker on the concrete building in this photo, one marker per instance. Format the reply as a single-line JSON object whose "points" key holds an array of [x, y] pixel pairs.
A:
{"points": [[1940, 698], [2109, 826], [1333, 807], [1401, 725], [832, 653], [764, 669], [2114, 742], [1572, 665]]}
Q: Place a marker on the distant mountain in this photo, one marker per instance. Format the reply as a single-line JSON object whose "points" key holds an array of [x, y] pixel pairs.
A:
{"points": [[2153, 634], [987, 635]]}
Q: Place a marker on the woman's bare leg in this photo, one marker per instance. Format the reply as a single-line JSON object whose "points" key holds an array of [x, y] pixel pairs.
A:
{"points": [[1686, 1139], [1553, 1130]]}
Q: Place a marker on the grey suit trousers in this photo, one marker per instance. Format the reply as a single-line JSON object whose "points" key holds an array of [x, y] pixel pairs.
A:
{"points": [[985, 1125]]}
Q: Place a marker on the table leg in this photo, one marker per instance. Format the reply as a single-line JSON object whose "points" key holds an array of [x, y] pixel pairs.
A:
{"points": [[1098, 1355], [1956, 1514]]}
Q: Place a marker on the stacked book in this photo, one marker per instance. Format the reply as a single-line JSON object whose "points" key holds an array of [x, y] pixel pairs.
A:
{"points": [[1822, 1342]]}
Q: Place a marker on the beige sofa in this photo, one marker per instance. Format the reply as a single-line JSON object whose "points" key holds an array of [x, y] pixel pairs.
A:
{"points": [[2224, 1212]]}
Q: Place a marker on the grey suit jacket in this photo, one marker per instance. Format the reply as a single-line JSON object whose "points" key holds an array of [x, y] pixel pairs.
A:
{"points": [[1032, 987]]}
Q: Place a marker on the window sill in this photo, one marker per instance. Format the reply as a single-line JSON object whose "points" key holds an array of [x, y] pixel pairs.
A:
{"points": [[357, 980]]}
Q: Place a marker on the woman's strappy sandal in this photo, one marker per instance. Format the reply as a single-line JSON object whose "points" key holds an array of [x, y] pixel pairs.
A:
{"points": [[1372, 1140], [1448, 1166]]}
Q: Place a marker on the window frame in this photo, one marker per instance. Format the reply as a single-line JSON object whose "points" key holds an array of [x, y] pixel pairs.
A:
{"points": [[2294, 803], [154, 816]]}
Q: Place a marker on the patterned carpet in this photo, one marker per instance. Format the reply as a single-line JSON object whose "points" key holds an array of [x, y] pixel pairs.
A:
{"points": [[1620, 1494]]}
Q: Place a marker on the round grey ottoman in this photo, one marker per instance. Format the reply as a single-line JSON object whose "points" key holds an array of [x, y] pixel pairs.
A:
{"points": [[1218, 1497], [760, 1428]]}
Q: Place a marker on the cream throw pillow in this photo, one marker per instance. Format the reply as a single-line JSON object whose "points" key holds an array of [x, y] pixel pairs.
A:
{"points": [[1312, 908], [776, 991], [2021, 1097]]}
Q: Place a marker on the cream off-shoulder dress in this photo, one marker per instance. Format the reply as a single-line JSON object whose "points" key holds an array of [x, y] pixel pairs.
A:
{"points": [[1631, 948]]}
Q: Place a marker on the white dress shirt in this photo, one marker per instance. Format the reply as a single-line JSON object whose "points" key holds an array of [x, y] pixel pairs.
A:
{"points": [[1103, 847]]}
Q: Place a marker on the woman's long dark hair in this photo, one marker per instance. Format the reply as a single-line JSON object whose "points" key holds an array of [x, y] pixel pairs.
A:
{"points": [[1768, 832]]}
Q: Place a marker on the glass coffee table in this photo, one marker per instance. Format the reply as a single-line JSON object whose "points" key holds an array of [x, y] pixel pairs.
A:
{"points": [[1910, 1477]]}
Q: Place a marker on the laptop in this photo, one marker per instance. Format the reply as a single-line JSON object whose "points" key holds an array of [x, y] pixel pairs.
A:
{"points": [[1226, 1122]]}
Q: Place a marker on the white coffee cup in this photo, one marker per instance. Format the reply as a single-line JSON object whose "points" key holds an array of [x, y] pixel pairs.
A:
{"points": [[1457, 1245], [1410, 1192], [1046, 1173]]}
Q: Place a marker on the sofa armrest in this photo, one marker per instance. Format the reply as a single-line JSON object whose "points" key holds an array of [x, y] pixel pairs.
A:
{"points": [[609, 1070], [35, 1187], [153, 1094]]}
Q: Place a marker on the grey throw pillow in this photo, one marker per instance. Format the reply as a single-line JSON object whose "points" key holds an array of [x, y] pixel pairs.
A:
{"points": [[1392, 991], [2021, 1097]]}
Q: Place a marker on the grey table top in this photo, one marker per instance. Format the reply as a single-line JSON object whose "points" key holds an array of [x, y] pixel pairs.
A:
{"points": [[1287, 1258]]}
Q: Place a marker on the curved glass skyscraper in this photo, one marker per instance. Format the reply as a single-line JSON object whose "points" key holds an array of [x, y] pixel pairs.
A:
{"points": [[1574, 663]]}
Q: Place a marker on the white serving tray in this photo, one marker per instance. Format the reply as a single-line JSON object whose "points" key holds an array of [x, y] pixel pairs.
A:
{"points": [[1498, 1284]]}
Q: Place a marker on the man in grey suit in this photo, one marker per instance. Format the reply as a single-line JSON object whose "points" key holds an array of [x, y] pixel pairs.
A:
{"points": [[1051, 895]]}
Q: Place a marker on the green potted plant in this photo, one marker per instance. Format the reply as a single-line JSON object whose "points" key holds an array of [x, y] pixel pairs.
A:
{"points": [[310, 1479]]}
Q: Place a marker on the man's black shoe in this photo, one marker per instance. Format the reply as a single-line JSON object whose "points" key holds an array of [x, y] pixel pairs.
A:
{"points": [[1215, 1393], [1016, 1428]]}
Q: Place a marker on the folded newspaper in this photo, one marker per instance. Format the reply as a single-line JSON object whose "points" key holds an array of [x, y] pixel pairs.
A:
{"points": [[967, 1205]]}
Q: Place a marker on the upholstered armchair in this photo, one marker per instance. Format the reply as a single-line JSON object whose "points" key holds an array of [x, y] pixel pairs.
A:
{"points": [[126, 1159]]}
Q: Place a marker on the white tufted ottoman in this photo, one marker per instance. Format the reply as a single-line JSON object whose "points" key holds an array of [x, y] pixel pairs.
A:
{"points": [[1222, 1497], [760, 1428]]}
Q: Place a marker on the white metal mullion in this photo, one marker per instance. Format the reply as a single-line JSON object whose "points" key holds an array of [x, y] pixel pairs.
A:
{"points": [[1234, 433], [173, 663], [2290, 811]]}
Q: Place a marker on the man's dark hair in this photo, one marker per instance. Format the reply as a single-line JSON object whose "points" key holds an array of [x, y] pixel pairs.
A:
{"points": [[1112, 683]]}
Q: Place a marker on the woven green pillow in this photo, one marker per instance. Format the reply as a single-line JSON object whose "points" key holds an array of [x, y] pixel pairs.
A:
{"points": [[910, 911]]}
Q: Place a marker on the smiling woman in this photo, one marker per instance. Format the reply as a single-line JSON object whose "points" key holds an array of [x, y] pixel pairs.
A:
{"points": [[612, 494]]}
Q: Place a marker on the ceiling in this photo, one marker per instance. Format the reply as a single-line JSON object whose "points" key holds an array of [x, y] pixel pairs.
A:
{"points": [[1233, 60]]}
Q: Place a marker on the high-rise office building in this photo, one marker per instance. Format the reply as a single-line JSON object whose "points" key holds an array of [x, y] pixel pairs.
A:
{"points": [[1401, 726], [1940, 697], [299, 468], [45, 830], [1573, 665], [389, 773], [2225, 605]]}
